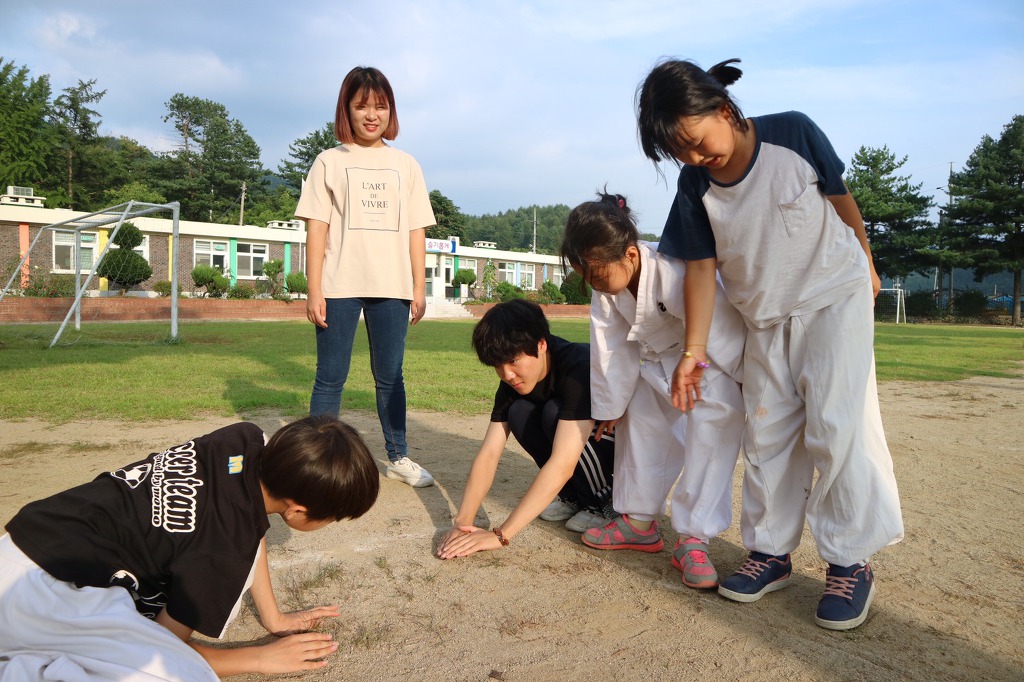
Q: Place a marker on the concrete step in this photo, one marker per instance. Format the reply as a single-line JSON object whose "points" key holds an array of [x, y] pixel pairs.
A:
{"points": [[446, 310]]}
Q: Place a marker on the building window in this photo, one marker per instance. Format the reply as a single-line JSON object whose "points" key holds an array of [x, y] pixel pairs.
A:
{"points": [[143, 248], [468, 264], [211, 253], [250, 259], [557, 276], [64, 250], [526, 278], [509, 270]]}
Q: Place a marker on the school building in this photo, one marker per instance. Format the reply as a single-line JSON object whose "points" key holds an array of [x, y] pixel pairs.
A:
{"points": [[238, 251]]}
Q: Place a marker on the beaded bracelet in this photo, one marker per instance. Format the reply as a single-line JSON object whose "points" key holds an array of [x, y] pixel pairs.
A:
{"points": [[501, 538], [700, 365]]}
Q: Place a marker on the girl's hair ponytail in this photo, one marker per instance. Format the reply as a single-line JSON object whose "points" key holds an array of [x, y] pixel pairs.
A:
{"points": [[598, 232], [725, 74], [676, 89]]}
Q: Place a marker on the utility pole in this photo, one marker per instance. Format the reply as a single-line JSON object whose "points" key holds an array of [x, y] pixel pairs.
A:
{"points": [[241, 211], [534, 249], [944, 226]]}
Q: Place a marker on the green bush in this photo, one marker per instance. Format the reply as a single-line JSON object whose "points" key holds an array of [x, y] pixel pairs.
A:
{"points": [[575, 290], [49, 285], [296, 283], [163, 288], [211, 279], [506, 291], [921, 304], [272, 269], [549, 293], [971, 303], [128, 236], [124, 268], [467, 277], [242, 290]]}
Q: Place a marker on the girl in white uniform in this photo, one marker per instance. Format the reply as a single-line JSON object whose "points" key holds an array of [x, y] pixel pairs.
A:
{"points": [[636, 337], [762, 201]]}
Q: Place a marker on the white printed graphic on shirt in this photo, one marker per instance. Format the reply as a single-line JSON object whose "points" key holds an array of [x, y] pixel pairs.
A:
{"points": [[373, 199], [175, 486], [147, 605], [133, 476]]}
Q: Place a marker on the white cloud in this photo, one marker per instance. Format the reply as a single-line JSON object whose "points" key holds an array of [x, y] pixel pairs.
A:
{"points": [[64, 27]]}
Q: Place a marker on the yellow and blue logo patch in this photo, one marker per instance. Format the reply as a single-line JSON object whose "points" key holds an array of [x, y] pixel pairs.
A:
{"points": [[235, 464]]}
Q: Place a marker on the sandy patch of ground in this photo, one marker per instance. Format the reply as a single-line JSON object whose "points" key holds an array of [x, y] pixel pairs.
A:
{"points": [[949, 605]]}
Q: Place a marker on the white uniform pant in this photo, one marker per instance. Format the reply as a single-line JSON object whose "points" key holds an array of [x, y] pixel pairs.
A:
{"points": [[52, 630], [812, 403], [654, 442]]}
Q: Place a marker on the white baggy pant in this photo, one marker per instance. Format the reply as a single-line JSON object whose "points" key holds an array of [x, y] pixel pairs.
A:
{"points": [[812, 404], [654, 442], [52, 630]]}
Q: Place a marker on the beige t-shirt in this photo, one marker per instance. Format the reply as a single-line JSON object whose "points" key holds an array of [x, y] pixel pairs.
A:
{"points": [[371, 198]]}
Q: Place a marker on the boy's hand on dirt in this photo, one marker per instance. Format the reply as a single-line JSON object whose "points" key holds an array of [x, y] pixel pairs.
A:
{"points": [[466, 540], [304, 651], [300, 621]]}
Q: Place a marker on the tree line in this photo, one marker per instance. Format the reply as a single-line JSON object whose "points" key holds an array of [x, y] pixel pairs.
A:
{"points": [[53, 144]]}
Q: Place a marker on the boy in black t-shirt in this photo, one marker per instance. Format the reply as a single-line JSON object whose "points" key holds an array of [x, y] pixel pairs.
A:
{"points": [[544, 400], [182, 532]]}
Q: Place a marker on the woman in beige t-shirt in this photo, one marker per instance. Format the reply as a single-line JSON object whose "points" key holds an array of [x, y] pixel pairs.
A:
{"points": [[366, 209]]}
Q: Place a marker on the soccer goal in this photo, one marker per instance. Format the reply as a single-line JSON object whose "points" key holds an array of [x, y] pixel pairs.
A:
{"points": [[890, 306], [72, 245]]}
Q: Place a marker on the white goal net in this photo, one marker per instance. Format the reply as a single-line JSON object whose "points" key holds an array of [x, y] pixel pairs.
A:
{"points": [[71, 247], [890, 306]]}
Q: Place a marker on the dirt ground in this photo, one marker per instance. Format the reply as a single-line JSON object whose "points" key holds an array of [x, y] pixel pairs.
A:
{"points": [[949, 605]]}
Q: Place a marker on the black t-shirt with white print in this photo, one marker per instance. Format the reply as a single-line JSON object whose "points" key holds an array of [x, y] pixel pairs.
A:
{"points": [[179, 529]]}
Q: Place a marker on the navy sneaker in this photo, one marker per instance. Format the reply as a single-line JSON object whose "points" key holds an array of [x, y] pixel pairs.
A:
{"points": [[848, 594], [761, 574]]}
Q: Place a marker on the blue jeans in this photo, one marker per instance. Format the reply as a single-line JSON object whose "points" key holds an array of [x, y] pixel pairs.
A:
{"points": [[387, 322]]}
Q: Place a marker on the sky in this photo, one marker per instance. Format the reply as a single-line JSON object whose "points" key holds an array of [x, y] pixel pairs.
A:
{"points": [[508, 104]]}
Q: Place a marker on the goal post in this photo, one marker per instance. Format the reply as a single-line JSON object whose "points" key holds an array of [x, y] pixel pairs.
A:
{"points": [[117, 216], [891, 306]]}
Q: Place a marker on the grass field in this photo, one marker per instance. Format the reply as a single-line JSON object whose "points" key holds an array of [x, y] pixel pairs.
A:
{"points": [[226, 368]]}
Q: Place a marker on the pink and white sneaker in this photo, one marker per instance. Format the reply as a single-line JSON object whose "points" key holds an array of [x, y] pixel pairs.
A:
{"points": [[690, 556]]}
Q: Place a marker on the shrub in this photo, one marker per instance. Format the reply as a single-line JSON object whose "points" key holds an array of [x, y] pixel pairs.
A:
{"points": [[272, 269], [971, 303], [506, 291], [921, 304], [467, 277], [242, 290], [128, 236], [549, 293], [163, 288], [124, 268], [48, 285], [296, 283], [575, 290], [210, 278]]}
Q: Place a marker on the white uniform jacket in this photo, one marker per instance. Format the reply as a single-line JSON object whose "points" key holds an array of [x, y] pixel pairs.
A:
{"points": [[626, 334]]}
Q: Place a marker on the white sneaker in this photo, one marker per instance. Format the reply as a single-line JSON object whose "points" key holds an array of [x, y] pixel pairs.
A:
{"points": [[584, 520], [559, 510], [408, 471]]}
